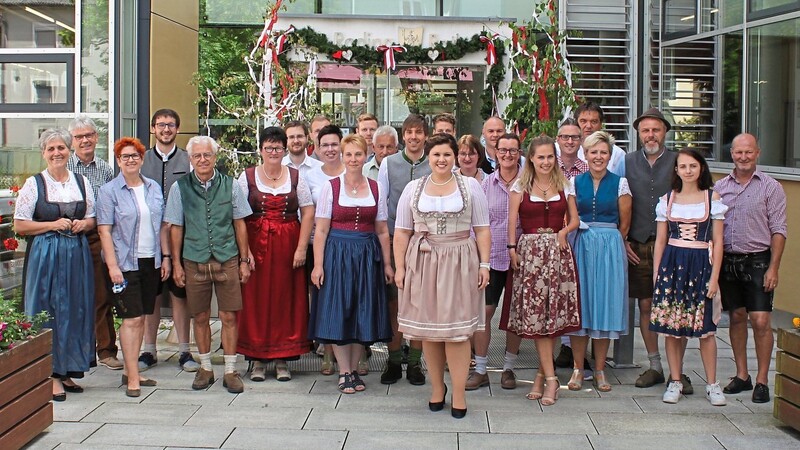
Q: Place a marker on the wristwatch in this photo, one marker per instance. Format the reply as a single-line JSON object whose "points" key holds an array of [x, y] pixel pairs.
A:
{"points": [[244, 260]]}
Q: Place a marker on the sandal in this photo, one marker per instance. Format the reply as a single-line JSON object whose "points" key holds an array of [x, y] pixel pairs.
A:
{"points": [[358, 383], [327, 365], [346, 385], [363, 365], [535, 394], [600, 382], [576, 380], [550, 401]]}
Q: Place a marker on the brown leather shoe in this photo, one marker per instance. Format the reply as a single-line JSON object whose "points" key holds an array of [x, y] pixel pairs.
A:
{"points": [[508, 380], [233, 382], [649, 378], [203, 379], [476, 380]]}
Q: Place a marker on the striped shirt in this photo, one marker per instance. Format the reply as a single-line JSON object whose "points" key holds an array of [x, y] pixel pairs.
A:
{"points": [[97, 171], [497, 196], [756, 211]]}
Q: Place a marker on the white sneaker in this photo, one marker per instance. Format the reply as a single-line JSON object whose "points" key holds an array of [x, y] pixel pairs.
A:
{"points": [[673, 392], [714, 395], [259, 372], [282, 372]]}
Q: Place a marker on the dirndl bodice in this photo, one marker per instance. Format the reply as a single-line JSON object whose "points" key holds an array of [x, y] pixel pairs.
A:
{"points": [[541, 217], [282, 207]]}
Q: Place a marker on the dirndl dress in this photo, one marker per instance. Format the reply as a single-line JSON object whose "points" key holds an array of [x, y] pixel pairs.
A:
{"points": [[59, 279], [545, 299], [439, 300], [680, 306], [351, 306]]}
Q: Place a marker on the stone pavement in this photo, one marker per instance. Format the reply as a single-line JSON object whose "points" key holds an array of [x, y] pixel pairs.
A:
{"points": [[308, 412]]}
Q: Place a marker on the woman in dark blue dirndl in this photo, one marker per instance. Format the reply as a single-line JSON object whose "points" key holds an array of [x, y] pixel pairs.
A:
{"points": [[55, 208], [351, 266]]}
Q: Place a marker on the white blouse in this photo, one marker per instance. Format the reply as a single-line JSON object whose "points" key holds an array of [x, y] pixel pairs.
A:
{"points": [[317, 179], [57, 192], [303, 192], [448, 203], [325, 202], [569, 189], [690, 210]]}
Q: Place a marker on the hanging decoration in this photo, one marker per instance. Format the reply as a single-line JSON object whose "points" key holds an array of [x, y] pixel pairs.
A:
{"points": [[491, 52], [388, 55]]}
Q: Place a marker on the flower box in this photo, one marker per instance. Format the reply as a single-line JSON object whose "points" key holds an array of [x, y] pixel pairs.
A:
{"points": [[787, 380], [26, 390]]}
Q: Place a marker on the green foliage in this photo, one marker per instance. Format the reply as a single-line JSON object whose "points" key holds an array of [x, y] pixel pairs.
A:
{"points": [[541, 90], [15, 326]]}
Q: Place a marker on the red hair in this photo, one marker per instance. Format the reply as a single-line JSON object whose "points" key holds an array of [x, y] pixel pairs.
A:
{"points": [[128, 142]]}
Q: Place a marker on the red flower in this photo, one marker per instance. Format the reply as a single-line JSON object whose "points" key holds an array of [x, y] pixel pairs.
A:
{"points": [[25, 325], [15, 189], [11, 244], [11, 203]]}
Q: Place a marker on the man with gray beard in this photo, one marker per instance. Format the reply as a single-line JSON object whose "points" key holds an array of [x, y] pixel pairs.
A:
{"points": [[649, 173]]}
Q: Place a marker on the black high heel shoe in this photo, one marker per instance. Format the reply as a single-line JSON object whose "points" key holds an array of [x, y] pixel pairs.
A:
{"points": [[457, 413], [438, 406]]}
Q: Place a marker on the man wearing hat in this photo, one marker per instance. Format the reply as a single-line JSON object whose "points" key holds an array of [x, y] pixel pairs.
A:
{"points": [[649, 173]]}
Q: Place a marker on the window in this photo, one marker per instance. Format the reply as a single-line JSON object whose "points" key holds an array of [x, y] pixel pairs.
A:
{"points": [[680, 18], [36, 83]]}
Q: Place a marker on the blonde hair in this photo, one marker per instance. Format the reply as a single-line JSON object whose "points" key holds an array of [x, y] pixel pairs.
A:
{"points": [[356, 140], [599, 137], [557, 177]]}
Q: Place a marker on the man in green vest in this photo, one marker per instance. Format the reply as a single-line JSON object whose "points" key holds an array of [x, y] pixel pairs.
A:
{"points": [[213, 253]]}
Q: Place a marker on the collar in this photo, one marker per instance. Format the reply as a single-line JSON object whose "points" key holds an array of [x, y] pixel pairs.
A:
{"points": [[757, 174], [120, 180], [166, 157], [644, 154], [206, 183], [408, 160], [372, 163]]}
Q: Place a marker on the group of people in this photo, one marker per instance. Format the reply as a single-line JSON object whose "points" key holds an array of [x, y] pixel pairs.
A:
{"points": [[346, 242]]}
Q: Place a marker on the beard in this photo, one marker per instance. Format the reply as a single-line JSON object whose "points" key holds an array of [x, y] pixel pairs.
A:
{"points": [[652, 148]]}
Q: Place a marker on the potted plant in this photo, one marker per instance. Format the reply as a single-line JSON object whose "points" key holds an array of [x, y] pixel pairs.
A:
{"points": [[25, 369]]}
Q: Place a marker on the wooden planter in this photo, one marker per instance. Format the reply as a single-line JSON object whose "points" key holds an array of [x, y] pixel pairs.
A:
{"points": [[787, 381], [26, 391]]}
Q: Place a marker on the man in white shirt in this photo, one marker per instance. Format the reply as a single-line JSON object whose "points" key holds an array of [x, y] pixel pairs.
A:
{"points": [[385, 142], [297, 141]]}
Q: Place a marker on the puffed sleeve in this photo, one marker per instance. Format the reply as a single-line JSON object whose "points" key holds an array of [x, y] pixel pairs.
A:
{"points": [[304, 193], [383, 209], [624, 189], [26, 200], [661, 209], [569, 189], [405, 217], [718, 210], [480, 206], [517, 187], [87, 186], [325, 202]]}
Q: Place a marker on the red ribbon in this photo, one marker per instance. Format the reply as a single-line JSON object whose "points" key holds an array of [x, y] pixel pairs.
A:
{"points": [[388, 54], [491, 52], [280, 42]]}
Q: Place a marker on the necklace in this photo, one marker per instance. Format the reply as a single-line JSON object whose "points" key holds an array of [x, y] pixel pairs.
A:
{"points": [[354, 189], [264, 171], [544, 191], [452, 177], [507, 182]]}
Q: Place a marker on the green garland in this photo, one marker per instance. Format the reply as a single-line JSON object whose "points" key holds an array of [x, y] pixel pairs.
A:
{"points": [[448, 51]]}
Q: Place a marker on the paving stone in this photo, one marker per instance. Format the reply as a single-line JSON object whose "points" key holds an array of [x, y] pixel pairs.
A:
{"points": [[646, 424], [423, 420], [249, 438], [630, 391], [786, 441], [688, 404], [523, 441], [761, 424], [653, 442], [584, 405], [555, 423], [58, 432], [106, 447], [160, 435], [190, 397], [370, 440], [74, 409], [253, 417], [149, 413], [290, 400]]}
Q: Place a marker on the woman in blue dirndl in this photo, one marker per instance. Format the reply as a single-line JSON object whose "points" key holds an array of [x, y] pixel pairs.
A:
{"points": [[351, 266], [687, 256], [55, 208], [604, 204]]}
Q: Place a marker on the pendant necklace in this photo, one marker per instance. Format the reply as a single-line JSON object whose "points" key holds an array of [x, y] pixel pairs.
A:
{"points": [[264, 171], [544, 191], [354, 189]]}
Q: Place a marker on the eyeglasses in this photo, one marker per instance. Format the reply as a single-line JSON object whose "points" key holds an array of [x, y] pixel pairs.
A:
{"points": [[80, 137], [569, 137], [334, 145], [130, 157], [162, 125], [467, 155], [199, 156], [273, 149], [503, 151]]}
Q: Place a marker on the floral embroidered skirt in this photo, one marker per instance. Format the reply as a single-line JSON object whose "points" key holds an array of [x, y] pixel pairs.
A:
{"points": [[680, 306], [545, 298]]}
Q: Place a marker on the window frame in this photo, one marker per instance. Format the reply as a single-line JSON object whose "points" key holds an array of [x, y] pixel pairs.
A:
{"points": [[59, 58]]}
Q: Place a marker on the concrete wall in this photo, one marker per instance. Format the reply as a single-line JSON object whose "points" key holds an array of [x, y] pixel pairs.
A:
{"points": [[174, 61]]}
